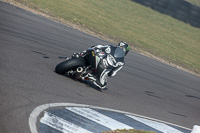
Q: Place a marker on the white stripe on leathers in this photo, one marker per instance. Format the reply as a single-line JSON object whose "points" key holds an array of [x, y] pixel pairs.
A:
{"points": [[99, 118], [61, 125]]}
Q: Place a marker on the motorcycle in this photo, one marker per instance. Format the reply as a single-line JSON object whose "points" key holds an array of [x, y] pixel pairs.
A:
{"points": [[83, 66]]}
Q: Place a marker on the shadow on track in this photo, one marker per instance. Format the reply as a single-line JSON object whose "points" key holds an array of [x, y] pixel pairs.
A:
{"points": [[86, 82]]}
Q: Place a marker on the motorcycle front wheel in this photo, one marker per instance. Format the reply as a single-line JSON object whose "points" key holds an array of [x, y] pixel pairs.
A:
{"points": [[70, 64]]}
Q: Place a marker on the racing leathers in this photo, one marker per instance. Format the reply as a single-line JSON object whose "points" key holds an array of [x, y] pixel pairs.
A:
{"points": [[108, 61]]}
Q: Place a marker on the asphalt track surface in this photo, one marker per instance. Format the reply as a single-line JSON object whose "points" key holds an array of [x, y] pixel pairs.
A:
{"points": [[30, 48]]}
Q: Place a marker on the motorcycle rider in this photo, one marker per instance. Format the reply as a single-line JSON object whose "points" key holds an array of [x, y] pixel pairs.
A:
{"points": [[109, 65]]}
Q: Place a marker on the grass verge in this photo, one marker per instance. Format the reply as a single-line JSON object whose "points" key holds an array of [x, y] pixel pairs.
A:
{"points": [[143, 28]]}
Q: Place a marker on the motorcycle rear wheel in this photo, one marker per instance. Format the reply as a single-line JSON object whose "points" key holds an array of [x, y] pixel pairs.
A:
{"points": [[70, 64]]}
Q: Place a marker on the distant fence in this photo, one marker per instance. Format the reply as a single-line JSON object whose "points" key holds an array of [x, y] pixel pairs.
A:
{"points": [[179, 9]]}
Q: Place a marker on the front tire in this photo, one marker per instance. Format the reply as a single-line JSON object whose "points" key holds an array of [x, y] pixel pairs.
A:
{"points": [[67, 65]]}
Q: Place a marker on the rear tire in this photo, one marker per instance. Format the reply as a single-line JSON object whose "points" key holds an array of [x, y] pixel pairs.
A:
{"points": [[67, 65]]}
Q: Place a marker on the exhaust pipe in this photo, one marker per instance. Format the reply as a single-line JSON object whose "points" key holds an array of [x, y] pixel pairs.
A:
{"points": [[79, 72]]}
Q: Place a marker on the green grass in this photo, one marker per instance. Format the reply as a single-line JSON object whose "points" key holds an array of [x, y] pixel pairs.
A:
{"points": [[140, 26]]}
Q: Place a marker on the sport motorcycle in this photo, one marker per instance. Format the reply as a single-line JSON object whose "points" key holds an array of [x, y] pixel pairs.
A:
{"points": [[83, 66]]}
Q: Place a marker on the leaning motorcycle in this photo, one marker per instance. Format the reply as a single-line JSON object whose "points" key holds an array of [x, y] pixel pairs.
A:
{"points": [[83, 66]]}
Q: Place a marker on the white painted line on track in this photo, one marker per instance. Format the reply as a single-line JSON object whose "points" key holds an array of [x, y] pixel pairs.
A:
{"points": [[38, 110], [156, 125], [99, 118], [196, 129], [61, 125]]}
